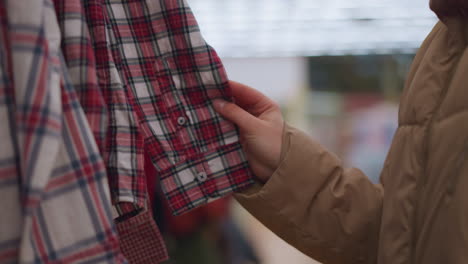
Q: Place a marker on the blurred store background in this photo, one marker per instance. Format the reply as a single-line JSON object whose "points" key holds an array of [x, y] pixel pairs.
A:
{"points": [[337, 68]]}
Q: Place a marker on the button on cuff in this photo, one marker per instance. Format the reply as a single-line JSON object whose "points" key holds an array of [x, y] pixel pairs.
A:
{"points": [[181, 120], [201, 176]]}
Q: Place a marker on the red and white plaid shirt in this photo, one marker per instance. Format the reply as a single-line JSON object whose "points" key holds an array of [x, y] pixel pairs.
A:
{"points": [[145, 79]]}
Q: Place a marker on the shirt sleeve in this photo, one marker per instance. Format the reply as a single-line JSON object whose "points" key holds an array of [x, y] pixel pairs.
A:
{"points": [[171, 77]]}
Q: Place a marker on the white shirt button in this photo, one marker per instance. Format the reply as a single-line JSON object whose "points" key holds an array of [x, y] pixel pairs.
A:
{"points": [[201, 176], [181, 120]]}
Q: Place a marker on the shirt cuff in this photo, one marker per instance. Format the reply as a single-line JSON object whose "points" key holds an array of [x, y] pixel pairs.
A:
{"points": [[205, 178], [140, 239]]}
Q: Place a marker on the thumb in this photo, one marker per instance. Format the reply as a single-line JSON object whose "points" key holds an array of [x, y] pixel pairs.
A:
{"points": [[235, 114]]}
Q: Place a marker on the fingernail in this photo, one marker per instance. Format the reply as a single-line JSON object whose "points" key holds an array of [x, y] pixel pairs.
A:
{"points": [[219, 103]]}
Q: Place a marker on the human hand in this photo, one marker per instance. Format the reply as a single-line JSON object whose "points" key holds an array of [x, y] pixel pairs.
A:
{"points": [[261, 127]]}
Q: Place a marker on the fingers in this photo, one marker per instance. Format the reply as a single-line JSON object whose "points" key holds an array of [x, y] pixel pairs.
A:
{"points": [[250, 99], [244, 120]]}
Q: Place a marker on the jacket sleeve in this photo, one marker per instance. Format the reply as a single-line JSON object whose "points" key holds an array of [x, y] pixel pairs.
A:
{"points": [[330, 213]]}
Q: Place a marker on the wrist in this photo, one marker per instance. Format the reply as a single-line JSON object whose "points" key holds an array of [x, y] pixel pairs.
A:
{"points": [[284, 146]]}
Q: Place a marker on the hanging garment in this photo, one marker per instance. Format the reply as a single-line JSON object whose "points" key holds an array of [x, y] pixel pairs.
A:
{"points": [[150, 90], [168, 77], [95, 77], [157, 78], [53, 186], [145, 79]]}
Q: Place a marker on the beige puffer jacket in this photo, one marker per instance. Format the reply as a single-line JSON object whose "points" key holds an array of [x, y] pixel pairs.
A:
{"points": [[419, 212]]}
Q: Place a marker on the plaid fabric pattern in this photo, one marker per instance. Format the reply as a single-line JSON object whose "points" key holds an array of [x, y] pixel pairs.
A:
{"points": [[93, 73], [138, 239], [53, 185], [151, 91], [133, 76], [169, 78]]}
